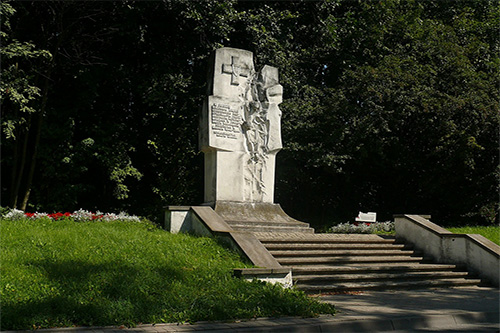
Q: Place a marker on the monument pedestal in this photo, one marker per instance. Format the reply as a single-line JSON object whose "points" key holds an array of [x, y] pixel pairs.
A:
{"points": [[259, 217], [230, 177]]}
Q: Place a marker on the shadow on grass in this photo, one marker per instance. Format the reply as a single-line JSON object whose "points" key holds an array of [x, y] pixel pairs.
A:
{"points": [[82, 293]]}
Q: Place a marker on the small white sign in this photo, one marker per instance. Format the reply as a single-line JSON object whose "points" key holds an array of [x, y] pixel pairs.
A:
{"points": [[366, 217]]}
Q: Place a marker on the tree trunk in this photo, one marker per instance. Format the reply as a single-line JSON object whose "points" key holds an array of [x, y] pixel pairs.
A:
{"points": [[37, 129], [32, 164], [18, 168]]}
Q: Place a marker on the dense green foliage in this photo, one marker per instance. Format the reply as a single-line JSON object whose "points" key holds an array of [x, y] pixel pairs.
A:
{"points": [[491, 232], [389, 106], [64, 273]]}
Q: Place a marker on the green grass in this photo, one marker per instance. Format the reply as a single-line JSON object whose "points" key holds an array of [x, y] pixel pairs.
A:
{"points": [[386, 233], [64, 273], [490, 232]]}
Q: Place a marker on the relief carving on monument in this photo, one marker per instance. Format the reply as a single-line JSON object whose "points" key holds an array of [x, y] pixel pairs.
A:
{"points": [[260, 110]]}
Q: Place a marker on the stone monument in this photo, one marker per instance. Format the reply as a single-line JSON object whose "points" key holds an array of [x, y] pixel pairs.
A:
{"points": [[240, 132], [240, 135]]}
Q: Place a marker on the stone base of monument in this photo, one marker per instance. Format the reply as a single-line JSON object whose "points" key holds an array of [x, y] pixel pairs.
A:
{"points": [[259, 217]]}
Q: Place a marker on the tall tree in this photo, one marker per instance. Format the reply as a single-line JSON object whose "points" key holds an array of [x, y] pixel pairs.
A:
{"points": [[389, 105], [404, 117], [23, 93]]}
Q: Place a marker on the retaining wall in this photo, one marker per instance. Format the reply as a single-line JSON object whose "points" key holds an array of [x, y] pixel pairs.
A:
{"points": [[204, 221], [477, 253]]}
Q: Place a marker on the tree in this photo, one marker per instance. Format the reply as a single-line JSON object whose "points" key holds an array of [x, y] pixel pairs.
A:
{"points": [[120, 100], [405, 118], [23, 103], [389, 106]]}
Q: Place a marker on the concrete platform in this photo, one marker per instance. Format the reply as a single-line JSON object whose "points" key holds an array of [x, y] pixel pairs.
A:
{"points": [[441, 310]]}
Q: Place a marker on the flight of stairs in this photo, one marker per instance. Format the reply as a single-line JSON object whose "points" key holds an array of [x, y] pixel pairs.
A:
{"points": [[325, 263]]}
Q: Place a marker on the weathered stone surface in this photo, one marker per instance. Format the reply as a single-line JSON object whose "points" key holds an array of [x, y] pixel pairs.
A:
{"points": [[236, 211], [240, 129]]}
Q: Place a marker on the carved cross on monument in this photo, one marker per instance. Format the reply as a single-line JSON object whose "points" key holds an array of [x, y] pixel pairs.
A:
{"points": [[236, 70]]}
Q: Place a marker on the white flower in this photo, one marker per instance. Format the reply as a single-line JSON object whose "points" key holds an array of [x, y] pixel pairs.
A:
{"points": [[15, 214], [82, 215], [126, 217], [109, 217], [40, 216], [362, 228]]}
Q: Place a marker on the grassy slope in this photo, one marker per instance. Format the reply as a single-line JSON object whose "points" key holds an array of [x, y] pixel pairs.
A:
{"points": [[490, 232], [63, 273]]}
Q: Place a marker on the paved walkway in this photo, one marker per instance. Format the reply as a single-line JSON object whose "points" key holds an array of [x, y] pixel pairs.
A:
{"points": [[443, 310]]}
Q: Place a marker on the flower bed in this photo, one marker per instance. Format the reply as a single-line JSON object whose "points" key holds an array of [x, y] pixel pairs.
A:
{"points": [[78, 215], [363, 228]]}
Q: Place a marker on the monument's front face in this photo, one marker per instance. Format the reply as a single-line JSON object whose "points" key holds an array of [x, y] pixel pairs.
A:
{"points": [[240, 131]]}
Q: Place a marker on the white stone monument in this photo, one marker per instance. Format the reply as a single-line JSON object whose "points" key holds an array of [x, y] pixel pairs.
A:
{"points": [[240, 135], [240, 131]]}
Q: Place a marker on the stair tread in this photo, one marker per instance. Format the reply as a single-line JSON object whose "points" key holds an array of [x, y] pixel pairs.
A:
{"points": [[321, 238], [304, 253], [359, 267], [333, 246], [348, 242], [389, 284], [348, 259], [270, 223], [304, 230], [380, 276]]}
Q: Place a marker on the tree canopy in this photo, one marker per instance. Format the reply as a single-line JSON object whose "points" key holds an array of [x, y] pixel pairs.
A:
{"points": [[389, 106]]}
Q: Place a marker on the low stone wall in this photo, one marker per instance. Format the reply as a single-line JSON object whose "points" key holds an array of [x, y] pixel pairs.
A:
{"points": [[477, 253], [271, 275], [204, 221]]}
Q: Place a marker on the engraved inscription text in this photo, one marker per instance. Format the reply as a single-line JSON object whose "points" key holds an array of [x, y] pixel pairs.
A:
{"points": [[226, 122]]}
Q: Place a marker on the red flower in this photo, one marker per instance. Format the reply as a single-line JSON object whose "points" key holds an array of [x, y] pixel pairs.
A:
{"points": [[56, 216]]}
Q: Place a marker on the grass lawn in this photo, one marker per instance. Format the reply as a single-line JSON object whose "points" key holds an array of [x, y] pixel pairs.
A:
{"points": [[65, 273], [490, 232]]}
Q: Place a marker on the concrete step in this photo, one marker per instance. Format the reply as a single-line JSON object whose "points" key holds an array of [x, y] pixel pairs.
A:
{"points": [[386, 285], [348, 260], [272, 229], [335, 246], [315, 241], [382, 268], [268, 223], [346, 252], [319, 238], [319, 279]]}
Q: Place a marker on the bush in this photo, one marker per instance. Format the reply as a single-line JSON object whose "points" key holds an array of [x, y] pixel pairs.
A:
{"points": [[363, 228]]}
